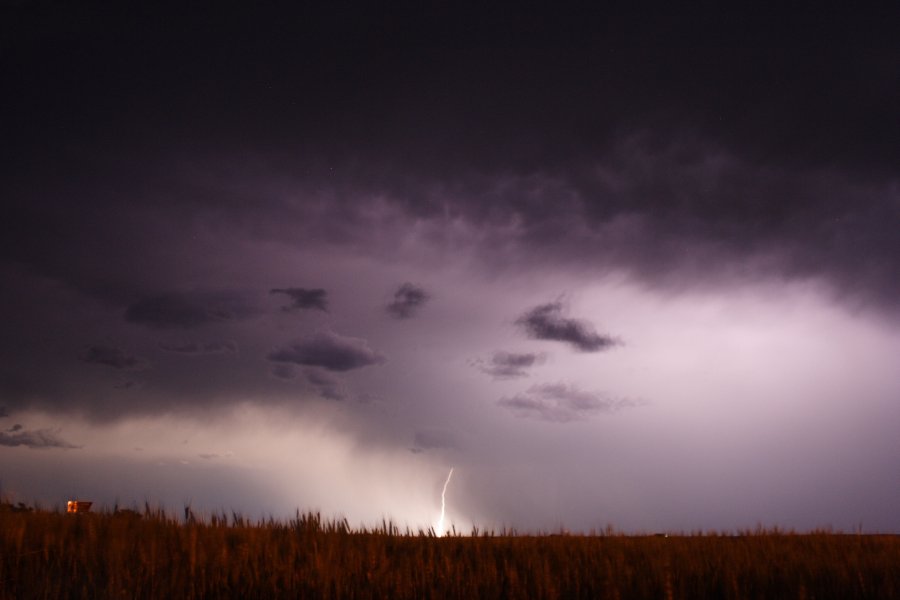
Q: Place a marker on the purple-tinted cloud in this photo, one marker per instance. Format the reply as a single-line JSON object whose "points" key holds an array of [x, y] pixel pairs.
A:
{"points": [[304, 299], [329, 351], [508, 365], [39, 438], [545, 322], [561, 403], [408, 299]]}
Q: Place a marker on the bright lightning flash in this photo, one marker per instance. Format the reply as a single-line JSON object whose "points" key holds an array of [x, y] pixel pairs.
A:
{"points": [[440, 526]]}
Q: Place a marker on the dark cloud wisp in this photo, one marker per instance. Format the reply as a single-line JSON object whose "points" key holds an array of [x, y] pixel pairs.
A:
{"points": [[39, 438], [561, 403], [330, 351], [304, 299], [508, 365], [546, 322], [408, 299]]}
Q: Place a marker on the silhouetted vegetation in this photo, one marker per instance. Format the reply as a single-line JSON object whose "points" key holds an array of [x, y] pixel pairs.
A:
{"points": [[126, 554]]}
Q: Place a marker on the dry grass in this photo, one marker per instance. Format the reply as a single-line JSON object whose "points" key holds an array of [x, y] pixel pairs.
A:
{"points": [[53, 555]]}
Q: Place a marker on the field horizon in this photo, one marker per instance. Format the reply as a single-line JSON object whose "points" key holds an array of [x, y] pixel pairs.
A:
{"points": [[148, 554], [186, 514]]}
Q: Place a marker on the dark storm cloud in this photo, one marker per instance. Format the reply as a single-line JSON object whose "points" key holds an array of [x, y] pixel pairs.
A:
{"points": [[39, 438], [198, 348], [679, 151], [561, 403], [508, 365], [677, 147], [545, 322], [329, 351], [186, 311], [112, 357], [302, 298], [407, 300]]}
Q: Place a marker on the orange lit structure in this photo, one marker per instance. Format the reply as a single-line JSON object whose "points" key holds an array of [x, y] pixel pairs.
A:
{"points": [[78, 506]]}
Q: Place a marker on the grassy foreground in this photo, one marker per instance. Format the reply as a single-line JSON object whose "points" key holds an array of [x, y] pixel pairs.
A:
{"points": [[127, 555]]}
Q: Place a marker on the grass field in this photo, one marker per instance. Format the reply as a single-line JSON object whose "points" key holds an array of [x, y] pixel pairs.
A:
{"points": [[46, 554]]}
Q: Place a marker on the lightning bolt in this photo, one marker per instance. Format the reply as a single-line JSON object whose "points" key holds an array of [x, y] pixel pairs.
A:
{"points": [[440, 527]]}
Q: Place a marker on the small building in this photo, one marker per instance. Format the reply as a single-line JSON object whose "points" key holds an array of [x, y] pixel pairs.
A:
{"points": [[78, 506]]}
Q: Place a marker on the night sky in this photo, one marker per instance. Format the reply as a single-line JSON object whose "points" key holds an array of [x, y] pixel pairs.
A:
{"points": [[622, 267]]}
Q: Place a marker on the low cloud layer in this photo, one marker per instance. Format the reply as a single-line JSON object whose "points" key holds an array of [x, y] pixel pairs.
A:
{"points": [[546, 322], [39, 438], [330, 351], [561, 403], [303, 298], [408, 299], [112, 357], [508, 365]]}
